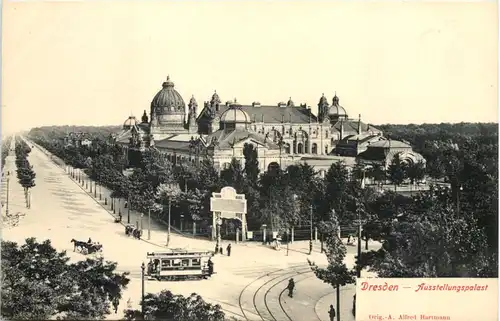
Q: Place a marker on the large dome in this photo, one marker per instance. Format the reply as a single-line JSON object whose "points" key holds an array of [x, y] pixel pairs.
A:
{"points": [[168, 100], [235, 115]]}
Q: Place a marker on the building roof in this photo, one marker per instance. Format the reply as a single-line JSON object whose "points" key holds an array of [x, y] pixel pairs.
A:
{"points": [[273, 114], [360, 139], [383, 149], [351, 125], [130, 122], [226, 139], [173, 143], [389, 144]]}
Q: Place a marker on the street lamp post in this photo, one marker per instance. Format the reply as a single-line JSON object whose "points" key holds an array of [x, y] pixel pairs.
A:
{"points": [[219, 223], [142, 279], [128, 212], [149, 223], [100, 191], [311, 229], [169, 220], [358, 267], [7, 205]]}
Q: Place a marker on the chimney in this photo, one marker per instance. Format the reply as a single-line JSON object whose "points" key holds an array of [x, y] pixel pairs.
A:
{"points": [[341, 130], [359, 124]]}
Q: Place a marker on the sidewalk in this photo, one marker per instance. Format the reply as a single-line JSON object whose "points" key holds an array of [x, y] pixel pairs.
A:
{"points": [[16, 200]]}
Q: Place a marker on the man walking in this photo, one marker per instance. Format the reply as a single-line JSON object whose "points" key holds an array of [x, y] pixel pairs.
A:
{"points": [[291, 286], [228, 249], [332, 313], [210, 267]]}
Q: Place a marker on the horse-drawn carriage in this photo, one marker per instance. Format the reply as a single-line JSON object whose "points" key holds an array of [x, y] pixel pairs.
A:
{"points": [[134, 231], [86, 247]]}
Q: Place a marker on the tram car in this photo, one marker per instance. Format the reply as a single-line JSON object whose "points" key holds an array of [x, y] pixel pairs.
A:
{"points": [[179, 265]]}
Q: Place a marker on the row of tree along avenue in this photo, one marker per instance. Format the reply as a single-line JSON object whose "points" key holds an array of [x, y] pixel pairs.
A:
{"points": [[25, 173], [5, 148], [460, 216], [40, 283]]}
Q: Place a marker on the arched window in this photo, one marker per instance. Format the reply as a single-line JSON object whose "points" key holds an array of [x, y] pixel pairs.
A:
{"points": [[300, 148], [314, 148]]}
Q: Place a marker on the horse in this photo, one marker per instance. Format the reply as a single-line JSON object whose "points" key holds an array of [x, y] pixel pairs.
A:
{"points": [[79, 244]]}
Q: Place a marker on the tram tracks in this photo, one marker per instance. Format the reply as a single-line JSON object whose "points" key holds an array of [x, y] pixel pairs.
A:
{"points": [[262, 292]]}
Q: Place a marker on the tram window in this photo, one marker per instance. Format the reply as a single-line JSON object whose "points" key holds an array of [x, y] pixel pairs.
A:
{"points": [[185, 262], [176, 262], [165, 263], [196, 262]]}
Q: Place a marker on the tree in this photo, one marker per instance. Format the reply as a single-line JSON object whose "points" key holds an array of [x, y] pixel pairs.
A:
{"points": [[25, 173], [336, 273], [168, 306], [38, 282], [432, 240], [396, 171], [377, 172], [168, 192], [416, 171], [233, 175], [336, 191], [251, 164]]}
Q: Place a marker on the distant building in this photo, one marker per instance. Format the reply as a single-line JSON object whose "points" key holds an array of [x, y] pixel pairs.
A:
{"points": [[282, 134], [77, 139]]}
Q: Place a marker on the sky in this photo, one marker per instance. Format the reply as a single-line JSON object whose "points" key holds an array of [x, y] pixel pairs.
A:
{"points": [[96, 63]]}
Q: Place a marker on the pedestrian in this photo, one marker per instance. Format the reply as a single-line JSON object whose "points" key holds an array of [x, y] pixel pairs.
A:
{"points": [[310, 246], [349, 239], [216, 249], [291, 286], [228, 249], [332, 313], [210, 267], [89, 241], [221, 251]]}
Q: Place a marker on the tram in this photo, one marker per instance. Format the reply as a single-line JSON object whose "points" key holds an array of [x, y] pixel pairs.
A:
{"points": [[179, 265]]}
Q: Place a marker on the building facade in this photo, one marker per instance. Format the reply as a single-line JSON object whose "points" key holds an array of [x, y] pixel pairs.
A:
{"points": [[282, 134]]}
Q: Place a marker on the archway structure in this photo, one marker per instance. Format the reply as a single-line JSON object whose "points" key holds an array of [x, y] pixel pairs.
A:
{"points": [[231, 205]]}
